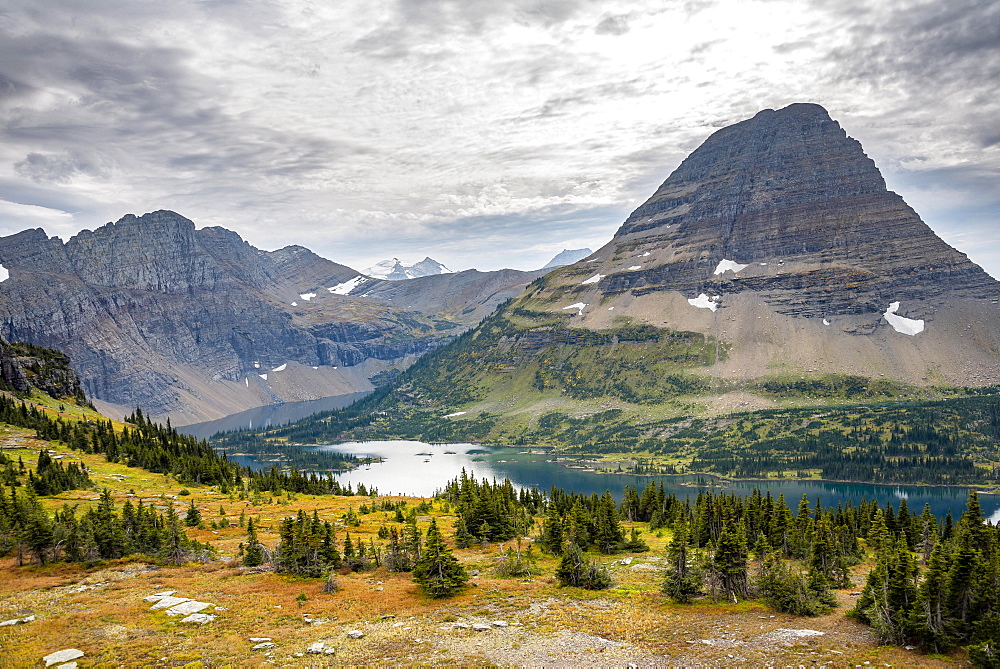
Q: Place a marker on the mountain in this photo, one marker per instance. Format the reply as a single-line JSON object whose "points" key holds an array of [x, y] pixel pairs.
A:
{"points": [[197, 324], [772, 268], [567, 257], [394, 270]]}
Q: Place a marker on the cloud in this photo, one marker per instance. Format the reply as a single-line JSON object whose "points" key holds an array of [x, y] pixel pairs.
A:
{"points": [[613, 25], [56, 168], [370, 129]]}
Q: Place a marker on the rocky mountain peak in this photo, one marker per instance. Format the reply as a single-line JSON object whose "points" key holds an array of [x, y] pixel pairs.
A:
{"points": [[788, 186]]}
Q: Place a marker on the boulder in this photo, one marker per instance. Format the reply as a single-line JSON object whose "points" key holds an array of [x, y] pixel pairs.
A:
{"points": [[265, 645], [355, 634], [316, 648]]}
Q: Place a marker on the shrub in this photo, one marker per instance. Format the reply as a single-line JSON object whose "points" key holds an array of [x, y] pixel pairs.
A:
{"points": [[574, 570]]}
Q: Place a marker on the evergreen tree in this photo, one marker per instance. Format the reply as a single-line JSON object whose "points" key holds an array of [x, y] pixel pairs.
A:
{"points": [[253, 554], [463, 539], [551, 538], [729, 563], [682, 581], [193, 516], [438, 572]]}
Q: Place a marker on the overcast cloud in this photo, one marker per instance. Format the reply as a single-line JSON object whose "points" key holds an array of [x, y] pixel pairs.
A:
{"points": [[483, 133]]}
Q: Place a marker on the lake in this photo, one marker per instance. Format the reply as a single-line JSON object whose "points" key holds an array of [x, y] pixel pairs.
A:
{"points": [[419, 469]]}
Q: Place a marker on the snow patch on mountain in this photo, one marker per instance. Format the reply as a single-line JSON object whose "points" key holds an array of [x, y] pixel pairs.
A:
{"points": [[703, 301], [346, 287], [907, 326], [395, 270], [307, 296], [280, 368], [4, 274], [729, 266], [593, 279], [578, 305]]}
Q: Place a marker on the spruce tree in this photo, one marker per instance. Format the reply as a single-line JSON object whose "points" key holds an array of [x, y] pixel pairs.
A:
{"points": [[463, 539], [682, 581], [438, 572], [729, 563], [193, 516], [253, 555]]}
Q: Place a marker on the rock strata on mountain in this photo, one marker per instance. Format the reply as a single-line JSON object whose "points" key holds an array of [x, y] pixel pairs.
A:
{"points": [[196, 324]]}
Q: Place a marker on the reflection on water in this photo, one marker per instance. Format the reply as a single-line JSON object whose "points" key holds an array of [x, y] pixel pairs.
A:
{"points": [[416, 468]]}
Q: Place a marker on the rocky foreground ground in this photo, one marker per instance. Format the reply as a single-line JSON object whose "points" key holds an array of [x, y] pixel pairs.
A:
{"points": [[143, 615]]}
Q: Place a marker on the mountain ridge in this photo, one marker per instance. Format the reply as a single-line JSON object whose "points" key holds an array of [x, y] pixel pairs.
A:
{"points": [[194, 324]]}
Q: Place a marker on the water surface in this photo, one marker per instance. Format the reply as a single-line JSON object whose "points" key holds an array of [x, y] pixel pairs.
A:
{"points": [[416, 468]]}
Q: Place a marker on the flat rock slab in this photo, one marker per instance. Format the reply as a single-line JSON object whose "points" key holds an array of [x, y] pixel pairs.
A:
{"points": [[355, 634], [265, 645], [200, 618], [481, 627], [17, 621], [499, 623], [158, 596], [316, 648], [61, 656], [259, 639], [188, 607], [168, 602]]}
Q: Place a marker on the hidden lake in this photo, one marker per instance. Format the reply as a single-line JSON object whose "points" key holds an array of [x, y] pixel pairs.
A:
{"points": [[419, 469]]}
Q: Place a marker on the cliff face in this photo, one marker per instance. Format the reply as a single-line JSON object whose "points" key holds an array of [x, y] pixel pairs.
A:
{"points": [[24, 368], [778, 237], [196, 324]]}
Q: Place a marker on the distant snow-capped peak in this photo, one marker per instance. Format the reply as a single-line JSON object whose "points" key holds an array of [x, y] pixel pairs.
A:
{"points": [[395, 270], [567, 257]]}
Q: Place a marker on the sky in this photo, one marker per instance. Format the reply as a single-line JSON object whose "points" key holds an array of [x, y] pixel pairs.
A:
{"points": [[481, 133]]}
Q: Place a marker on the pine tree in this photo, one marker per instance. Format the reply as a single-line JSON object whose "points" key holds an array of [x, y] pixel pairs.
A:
{"points": [[438, 572], [253, 555], [729, 563], [574, 570], [682, 581], [193, 516], [463, 539], [552, 531]]}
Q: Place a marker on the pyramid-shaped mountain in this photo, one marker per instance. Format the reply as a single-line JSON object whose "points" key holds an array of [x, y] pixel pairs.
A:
{"points": [[778, 238], [791, 196]]}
